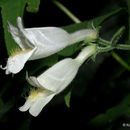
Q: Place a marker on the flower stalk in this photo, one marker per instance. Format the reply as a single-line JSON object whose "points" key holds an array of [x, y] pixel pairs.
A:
{"points": [[86, 53]]}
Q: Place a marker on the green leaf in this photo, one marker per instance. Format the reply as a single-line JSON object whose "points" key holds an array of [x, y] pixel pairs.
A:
{"points": [[96, 21], [117, 35], [11, 9], [70, 50], [2, 2], [99, 20], [86, 24], [67, 98], [33, 6]]}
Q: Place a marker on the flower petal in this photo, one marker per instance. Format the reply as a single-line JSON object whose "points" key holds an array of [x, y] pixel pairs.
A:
{"points": [[33, 81], [16, 63], [15, 34], [19, 38], [48, 40], [23, 34], [37, 106], [88, 35], [59, 76], [26, 106]]}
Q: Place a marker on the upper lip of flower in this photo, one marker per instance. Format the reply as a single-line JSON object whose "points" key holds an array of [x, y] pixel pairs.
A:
{"points": [[20, 35]]}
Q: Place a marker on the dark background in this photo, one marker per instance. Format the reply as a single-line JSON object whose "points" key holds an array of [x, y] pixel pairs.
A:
{"points": [[98, 86]]}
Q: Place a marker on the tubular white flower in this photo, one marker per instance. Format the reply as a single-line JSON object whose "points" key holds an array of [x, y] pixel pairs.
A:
{"points": [[36, 43], [53, 81]]}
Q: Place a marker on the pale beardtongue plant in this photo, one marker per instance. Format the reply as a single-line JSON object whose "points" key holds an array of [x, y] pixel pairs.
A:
{"points": [[54, 80], [36, 43]]}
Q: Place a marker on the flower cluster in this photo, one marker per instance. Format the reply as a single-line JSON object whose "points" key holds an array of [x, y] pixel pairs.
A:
{"points": [[36, 43]]}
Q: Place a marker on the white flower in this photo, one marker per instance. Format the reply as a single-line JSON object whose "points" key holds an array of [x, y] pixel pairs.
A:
{"points": [[36, 43], [53, 81]]}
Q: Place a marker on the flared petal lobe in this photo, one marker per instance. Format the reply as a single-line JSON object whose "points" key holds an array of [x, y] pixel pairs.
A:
{"points": [[37, 107], [16, 62], [36, 101], [26, 106]]}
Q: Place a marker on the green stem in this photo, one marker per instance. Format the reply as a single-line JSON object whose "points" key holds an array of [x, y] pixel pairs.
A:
{"points": [[118, 46], [120, 60], [86, 53], [104, 42], [76, 20], [105, 49], [123, 46], [66, 11]]}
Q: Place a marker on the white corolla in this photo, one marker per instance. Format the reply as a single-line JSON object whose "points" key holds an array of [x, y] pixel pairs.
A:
{"points": [[53, 81], [36, 43]]}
